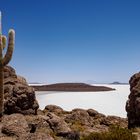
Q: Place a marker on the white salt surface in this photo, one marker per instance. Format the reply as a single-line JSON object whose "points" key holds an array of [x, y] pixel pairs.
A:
{"points": [[108, 102]]}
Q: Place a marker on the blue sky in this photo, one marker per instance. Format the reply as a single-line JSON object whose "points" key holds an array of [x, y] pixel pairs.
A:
{"points": [[74, 40]]}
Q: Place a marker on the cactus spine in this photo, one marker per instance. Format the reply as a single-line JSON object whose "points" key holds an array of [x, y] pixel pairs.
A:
{"points": [[4, 60]]}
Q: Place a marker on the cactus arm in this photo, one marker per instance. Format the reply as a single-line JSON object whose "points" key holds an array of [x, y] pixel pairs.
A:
{"points": [[4, 41], [1, 78], [10, 49]]}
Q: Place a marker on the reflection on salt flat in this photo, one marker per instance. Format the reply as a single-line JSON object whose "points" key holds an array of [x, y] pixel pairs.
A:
{"points": [[108, 102]]}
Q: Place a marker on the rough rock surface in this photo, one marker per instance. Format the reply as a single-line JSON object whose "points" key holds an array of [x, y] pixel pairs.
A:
{"points": [[53, 123], [18, 96], [14, 124], [133, 103]]}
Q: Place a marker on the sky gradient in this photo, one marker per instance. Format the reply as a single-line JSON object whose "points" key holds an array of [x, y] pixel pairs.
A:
{"points": [[74, 40]]}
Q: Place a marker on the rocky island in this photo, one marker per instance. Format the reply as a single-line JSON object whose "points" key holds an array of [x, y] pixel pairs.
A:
{"points": [[82, 87]]}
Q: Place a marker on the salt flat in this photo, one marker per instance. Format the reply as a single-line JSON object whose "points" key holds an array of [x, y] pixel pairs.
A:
{"points": [[108, 102]]}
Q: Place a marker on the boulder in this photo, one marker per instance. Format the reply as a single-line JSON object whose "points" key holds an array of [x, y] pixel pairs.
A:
{"points": [[133, 103], [18, 96], [17, 126], [58, 125], [53, 108], [14, 125], [38, 123], [79, 116]]}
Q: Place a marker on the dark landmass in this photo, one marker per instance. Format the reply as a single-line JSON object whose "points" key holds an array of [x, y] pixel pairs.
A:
{"points": [[71, 87], [118, 83]]}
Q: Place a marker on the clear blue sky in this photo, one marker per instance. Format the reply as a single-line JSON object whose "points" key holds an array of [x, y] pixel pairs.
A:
{"points": [[74, 40]]}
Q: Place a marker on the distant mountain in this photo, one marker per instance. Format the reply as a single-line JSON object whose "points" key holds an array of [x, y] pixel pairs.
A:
{"points": [[118, 83]]}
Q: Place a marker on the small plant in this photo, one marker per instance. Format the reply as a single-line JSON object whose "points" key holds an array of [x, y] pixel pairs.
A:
{"points": [[114, 133], [77, 126]]}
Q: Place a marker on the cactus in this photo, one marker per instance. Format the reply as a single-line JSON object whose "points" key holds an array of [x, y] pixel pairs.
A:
{"points": [[4, 60]]}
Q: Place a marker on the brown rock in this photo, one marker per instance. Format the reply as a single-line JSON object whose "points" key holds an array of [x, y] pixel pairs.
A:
{"points": [[7, 138], [53, 108], [133, 103], [64, 126], [57, 124], [113, 120], [39, 136], [38, 123], [18, 126], [19, 97], [9, 72], [78, 115], [92, 112], [71, 135], [15, 125], [22, 80]]}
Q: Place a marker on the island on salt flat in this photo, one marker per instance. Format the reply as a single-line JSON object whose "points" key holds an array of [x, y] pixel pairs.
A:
{"points": [[71, 87]]}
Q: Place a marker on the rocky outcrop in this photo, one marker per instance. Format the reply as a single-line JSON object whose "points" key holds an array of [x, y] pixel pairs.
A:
{"points": [[18, 96], [15, 126], [133, 103], [53, 123]]}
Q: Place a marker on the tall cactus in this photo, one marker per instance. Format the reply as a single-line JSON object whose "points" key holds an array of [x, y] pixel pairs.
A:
{"points": [[4, 60]]}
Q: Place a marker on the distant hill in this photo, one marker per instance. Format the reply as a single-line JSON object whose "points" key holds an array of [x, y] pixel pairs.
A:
{"points": [[118, 83], [71, 87]]}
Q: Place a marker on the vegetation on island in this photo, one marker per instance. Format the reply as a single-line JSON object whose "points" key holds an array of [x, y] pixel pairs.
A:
{"points": [[114, 133]]}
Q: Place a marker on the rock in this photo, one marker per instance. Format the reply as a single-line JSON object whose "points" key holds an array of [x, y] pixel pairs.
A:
{"points": [[38, 123], [133, 103], [14, 125], [72, 125], [53, 108], [22, 80], [50, 124], [57, 124], [39, 136], [18, 96], [79, 116], [7, 138], [9, 72], [113, 120], [92, 112], [72, 135]]}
